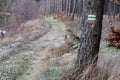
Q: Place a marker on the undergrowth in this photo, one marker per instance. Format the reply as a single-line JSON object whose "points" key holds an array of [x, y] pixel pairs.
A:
{"points": [[14, 64], [60, 63], [14, 67]]}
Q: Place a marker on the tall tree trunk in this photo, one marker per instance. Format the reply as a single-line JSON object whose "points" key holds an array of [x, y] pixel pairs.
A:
{"points": [[90, 37], [73, 9]]}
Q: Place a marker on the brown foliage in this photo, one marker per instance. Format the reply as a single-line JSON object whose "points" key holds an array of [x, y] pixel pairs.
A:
{"points": [[13, 29], [113, 36], [117, 2], [117, 19], [63, 16]]}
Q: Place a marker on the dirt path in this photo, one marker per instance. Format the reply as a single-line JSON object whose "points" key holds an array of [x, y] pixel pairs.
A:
{"points": [[41, 47]]}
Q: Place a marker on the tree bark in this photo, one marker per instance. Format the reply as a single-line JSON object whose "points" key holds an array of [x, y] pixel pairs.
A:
{"points": [[90, 37]]}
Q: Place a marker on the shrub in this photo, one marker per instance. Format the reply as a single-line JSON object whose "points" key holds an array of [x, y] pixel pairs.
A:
{"points": [[117, 19], [117, 2], [63, 16], [113, 36]]}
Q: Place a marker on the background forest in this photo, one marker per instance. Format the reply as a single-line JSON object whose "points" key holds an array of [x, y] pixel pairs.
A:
{"points": [[55, 40]]}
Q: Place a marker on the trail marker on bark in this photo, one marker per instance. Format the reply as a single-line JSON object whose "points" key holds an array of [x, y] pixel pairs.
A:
{"points": [[91, 18]]}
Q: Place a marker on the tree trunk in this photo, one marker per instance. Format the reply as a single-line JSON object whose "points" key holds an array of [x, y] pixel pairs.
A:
{"points": [[90, 37], [73, 10]]}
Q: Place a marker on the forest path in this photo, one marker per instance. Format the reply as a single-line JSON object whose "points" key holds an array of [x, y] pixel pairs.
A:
{"points": [[47, 57], [54, 38]]}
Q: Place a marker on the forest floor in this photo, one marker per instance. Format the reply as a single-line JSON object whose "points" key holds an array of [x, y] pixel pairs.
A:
{"points": [[40, 59], [47, 55]]}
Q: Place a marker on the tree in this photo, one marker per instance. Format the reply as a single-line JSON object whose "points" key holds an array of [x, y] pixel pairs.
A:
{"points": [[73, 8], [91, 35], [5, 12]]}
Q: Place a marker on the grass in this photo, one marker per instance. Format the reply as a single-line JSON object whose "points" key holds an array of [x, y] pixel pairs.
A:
{"points": [[93, 73], [60, 63], [15, 67], [74, 24], [63, 49], [57, 70], [10, 53], [109, 49], [51, 74]]}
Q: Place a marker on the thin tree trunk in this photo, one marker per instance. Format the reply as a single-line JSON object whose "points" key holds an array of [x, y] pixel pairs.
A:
{"points": [[73, 10]]}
